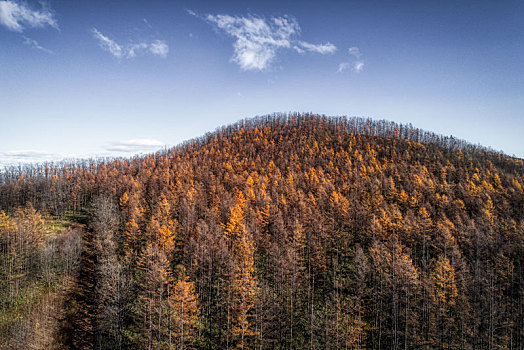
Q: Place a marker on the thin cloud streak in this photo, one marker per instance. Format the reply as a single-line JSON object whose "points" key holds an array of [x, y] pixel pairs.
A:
{"points": [[34, 44], [10, 158], [320, 48], [26, 154], [107, 44], [135, 146], [156, 48]]}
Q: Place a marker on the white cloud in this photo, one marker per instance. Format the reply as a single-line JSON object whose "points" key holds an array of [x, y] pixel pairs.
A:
{"points": [[134, 48], [34, 44], [159, 48], [257, 40], [135, 146], [354, 51], [17, 16], [25, 154], [342, 67], [10, 158], [156, 48], [358, 67], [320, 48], [191, 12], [107, 44]]}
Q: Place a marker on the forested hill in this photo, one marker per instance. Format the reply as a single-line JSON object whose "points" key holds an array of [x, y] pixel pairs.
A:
{"points": [[293, 232]]}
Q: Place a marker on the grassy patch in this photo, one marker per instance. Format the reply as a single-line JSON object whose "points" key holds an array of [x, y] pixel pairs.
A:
{"points": [[56, 226], [82, 216]]}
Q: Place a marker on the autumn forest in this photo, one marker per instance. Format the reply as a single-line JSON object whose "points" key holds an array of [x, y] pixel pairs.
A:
{"points": [[288, 231]]}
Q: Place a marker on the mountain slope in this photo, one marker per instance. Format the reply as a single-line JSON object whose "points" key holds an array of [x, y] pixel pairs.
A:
{"points": [[299, 231]]}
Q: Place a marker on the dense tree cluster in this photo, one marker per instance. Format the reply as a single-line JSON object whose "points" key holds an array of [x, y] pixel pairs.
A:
{"points": [[35, 261], [296, 231]]}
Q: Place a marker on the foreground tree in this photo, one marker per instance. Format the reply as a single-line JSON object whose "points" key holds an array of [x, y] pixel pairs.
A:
{"points": [[185, 320], [243, 279], [153, 309]]}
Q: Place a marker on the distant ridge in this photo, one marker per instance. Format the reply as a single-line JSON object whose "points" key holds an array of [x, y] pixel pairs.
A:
{"points": [[364, 126]]}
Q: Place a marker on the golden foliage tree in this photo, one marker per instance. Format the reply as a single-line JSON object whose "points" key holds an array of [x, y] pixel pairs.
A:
{"points": [[185, 311], [243, 275]]}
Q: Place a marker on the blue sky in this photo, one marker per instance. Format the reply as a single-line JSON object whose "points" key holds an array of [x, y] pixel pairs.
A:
{"points": [[116, 78]]}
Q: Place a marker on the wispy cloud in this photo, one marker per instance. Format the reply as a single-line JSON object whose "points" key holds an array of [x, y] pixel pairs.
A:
{"points": [[107, 44], [122, 148], [132, 50], [26, 154], [358, 66], [354, 51], [191, 12], [257, 40], [320, 48], [17, 16], [159, 48], [135, 146], [146, 22], [342, 67], [9, 158], [34, 44], [156, 48]]}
